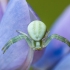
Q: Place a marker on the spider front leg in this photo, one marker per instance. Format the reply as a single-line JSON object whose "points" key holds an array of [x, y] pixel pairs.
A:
{"points": [[45, 37], [35, 45], [16, 39], [58, 37], [32, 43]]}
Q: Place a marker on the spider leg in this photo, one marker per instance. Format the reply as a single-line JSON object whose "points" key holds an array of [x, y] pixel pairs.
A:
{"points": [[32, 44], [35, 45], [16, 39], [58, 37], [45, 37], [47, 33]]}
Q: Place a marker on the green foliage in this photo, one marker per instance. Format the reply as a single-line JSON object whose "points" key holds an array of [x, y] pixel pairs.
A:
{"points": [[31, 68], [49, 10]]}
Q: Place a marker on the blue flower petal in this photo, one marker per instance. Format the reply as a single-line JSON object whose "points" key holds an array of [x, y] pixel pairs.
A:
{"points": [[56, 49], [15, 18], [64, 64], [1, 12]]}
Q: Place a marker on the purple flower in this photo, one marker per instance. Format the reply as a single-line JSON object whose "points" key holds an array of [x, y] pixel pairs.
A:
{"points": [[17, 16], [1, 12], [3, 5], [64, 64], [56, 50]]}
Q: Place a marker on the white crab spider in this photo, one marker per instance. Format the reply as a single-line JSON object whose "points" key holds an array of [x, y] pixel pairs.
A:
{"points": [[38, 37]]}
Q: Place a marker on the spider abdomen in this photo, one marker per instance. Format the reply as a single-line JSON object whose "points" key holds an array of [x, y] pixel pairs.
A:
{"points": [[36, 30]]}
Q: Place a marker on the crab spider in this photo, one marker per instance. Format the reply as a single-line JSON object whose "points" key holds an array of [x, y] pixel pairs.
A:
{"points": [[38, 37]]}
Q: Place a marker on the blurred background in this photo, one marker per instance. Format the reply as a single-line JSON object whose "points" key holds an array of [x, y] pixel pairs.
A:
{"points": [[49, 10]]}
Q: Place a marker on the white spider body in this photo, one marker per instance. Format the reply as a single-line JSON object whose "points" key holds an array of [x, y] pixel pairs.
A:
{"points": [[37, 30]]}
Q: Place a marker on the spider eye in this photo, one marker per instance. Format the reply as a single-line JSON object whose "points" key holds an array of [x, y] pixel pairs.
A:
{"points": [[36, 30]]}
